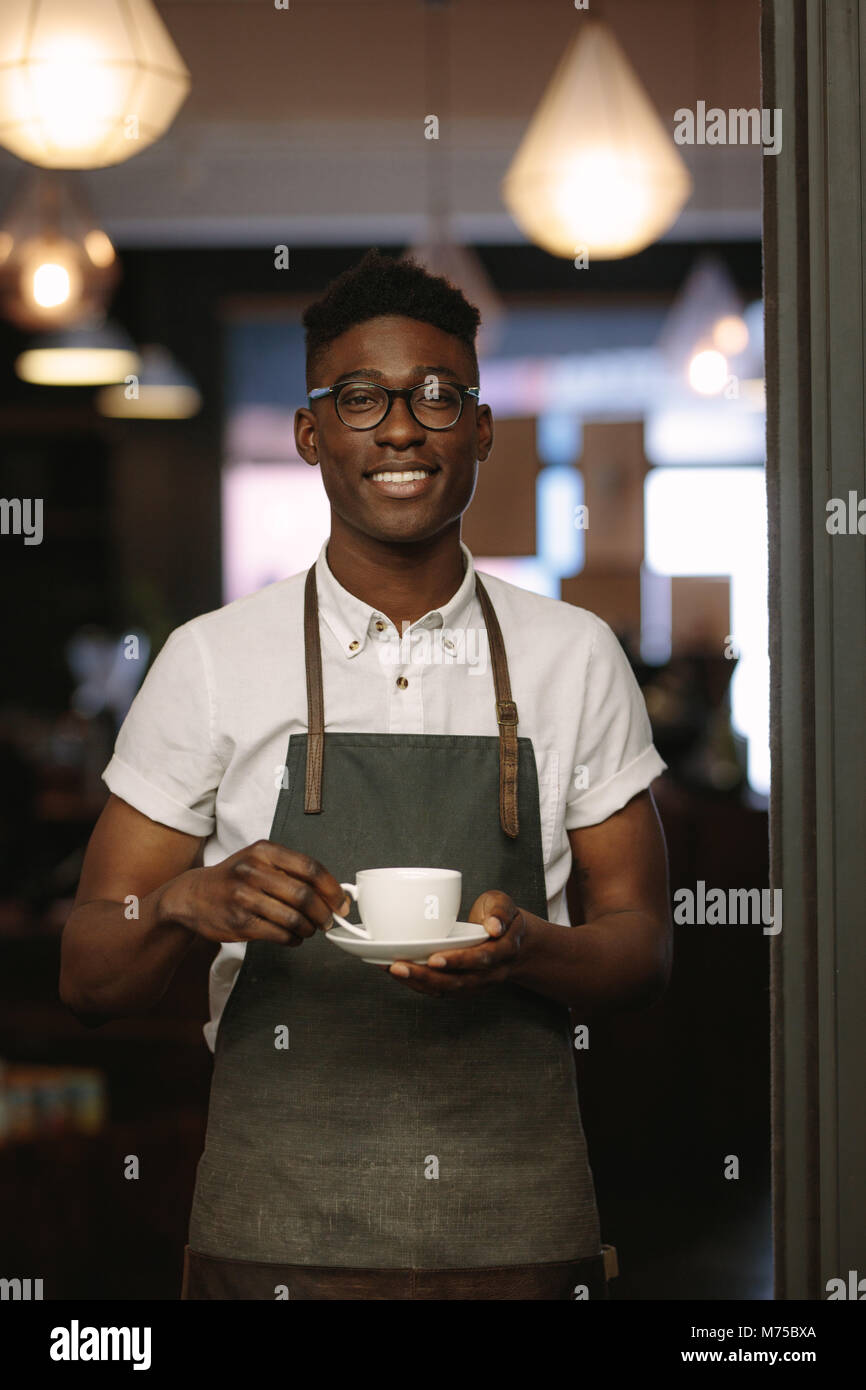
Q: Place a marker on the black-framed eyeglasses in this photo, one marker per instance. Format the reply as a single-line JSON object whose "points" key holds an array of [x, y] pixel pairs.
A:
{"points": [[362, 405]]}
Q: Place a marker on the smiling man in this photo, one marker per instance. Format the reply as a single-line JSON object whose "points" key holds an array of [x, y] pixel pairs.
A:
{"points": [[407, 1131]]}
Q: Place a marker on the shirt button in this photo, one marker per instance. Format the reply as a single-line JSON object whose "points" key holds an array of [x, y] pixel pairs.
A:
{"points": [[380, 626], [402, 682], [448, 644], [353, 646]]}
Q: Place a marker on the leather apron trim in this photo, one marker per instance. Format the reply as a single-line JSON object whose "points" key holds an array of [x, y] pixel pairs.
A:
{"points": [[506, 709], [315, 698], [205, 1279]]}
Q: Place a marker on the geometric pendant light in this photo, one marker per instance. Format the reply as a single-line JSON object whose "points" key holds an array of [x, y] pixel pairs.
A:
{"points": [[596, 170], [86, 83], [56, 264]]}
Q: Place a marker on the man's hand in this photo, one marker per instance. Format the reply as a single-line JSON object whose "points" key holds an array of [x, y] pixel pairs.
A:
{"points": [[264, 892], [618, 957], [472, 969]]}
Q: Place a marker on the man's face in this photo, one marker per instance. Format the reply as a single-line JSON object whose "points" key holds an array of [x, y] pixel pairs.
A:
{"points": [[397, 352]]}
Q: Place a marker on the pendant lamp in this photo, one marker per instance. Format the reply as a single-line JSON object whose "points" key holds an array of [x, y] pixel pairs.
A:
{"points": [[57, 265], [596, 171], [92, 353], [705, 339], [161, 390], [86, 83]]}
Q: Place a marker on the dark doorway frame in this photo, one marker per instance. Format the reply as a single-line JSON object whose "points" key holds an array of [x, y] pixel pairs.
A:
{"points": [[814, 70]]}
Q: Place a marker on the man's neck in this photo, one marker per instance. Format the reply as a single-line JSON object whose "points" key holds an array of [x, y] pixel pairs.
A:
{"points": [[403, 581]]}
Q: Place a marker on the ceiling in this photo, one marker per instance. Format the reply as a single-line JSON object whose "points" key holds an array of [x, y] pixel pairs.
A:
{"points": [[305, 125]]}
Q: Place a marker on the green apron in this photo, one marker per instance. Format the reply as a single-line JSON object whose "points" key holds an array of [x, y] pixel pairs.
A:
{"points": [[397, 1131]]}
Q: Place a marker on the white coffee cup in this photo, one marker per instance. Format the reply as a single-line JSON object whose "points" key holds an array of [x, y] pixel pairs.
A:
{"points": [[405, 904]]}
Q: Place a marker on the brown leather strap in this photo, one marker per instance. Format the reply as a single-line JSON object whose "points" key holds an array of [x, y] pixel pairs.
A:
{"points": [[506, 716], [506, 709], [315, 697]]}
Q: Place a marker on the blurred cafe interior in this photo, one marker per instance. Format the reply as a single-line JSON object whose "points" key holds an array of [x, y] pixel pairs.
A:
{"points": [[622, 355]]}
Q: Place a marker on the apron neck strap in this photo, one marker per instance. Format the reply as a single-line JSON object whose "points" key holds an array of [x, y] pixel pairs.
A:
{"points": [[506, 715], [315, 696], [506, 709]]}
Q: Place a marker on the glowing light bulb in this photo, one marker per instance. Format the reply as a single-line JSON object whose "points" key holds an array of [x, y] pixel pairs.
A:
{"points": [[708, 372], [75, 89], [605, 197], [51, 285], [49, 277], [730, 335]]}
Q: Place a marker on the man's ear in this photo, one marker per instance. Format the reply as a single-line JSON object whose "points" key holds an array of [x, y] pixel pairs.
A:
{"points": [[486, 450], [305, 436]]}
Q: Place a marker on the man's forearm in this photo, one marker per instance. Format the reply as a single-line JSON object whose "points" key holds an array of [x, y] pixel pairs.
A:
{"points": [[112, 966], [618, 961]]}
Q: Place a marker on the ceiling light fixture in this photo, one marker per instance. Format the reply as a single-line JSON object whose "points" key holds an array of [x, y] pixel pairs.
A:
{"points": [[705, 340], [56, 266], [86, 84], [596, 171], [159, 390], [92, 353]]}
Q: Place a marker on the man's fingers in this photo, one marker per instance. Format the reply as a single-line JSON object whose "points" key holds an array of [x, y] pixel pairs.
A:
{"points": [[289, 894], [487, 955], [255, 928], [303, 866], [472, 958], [251, 905], [424, 980], [496, 905]]}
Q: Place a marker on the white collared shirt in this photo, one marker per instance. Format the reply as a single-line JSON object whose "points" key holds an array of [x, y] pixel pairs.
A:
{"points": [[203, 746]]}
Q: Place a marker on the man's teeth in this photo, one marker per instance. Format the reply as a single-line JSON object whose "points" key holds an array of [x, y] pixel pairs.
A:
{"points": [[409, 477]]}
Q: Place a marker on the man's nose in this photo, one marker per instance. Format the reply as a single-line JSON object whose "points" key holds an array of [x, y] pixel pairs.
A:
{"points": [[400, 425]]}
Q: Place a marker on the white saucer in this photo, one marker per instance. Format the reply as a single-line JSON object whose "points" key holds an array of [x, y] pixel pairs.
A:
{"points": [[386, 952]]}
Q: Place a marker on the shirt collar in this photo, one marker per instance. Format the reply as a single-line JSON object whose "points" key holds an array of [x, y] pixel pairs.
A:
{"points": [[353, 622]]}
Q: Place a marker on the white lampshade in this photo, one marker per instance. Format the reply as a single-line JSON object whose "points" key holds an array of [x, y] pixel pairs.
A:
{"points": [[162, 390], [86, 83], [596, 169], [91, 353]]}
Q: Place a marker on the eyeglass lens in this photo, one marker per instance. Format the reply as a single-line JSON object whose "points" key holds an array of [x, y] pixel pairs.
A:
{"points": [[362, 405]]}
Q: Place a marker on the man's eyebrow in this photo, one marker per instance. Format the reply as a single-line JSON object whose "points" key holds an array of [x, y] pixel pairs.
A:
{"points": [[371, 373]]}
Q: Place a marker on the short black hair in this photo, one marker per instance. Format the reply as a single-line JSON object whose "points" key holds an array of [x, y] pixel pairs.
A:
{"points": [[384, 284]]}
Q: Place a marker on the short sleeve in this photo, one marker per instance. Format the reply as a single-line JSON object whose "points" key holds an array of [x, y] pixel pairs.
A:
{"points": [[615, 757], [164, 762]]}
